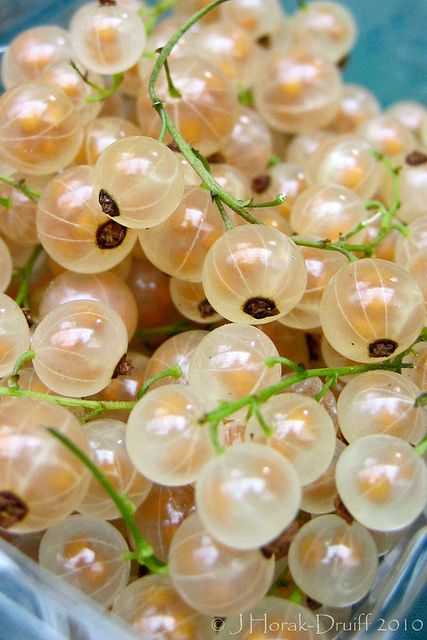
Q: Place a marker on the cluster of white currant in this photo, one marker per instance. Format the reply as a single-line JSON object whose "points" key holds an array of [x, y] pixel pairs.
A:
{"points": [[142, 237]]}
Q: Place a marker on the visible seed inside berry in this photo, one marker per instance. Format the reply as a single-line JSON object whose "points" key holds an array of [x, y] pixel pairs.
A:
{"points": [[260, 308], [12, 509], [110, 235], [382, 348], [108, 205], [205, 308], [416, 158], [261, 183]]}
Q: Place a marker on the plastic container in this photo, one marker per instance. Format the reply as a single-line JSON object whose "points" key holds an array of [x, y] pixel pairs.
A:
{"points": [[391, 59]]}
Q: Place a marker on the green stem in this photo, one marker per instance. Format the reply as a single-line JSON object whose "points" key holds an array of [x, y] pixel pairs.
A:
{"points": [[272, 161], [341, 247], [100, 93], [224, 215], [171, 372], [26, 271], [245, 96], [13, 381], [421, 447], [238, 206], [421, 400], [291, 364], [279, 199], [330, 382], [169, 329], [23, 187], [6, 203], [107, 93], [173, 91], [386, 216], [144, 551], [360, 226], [153, 14], [91, 415], [63, 401], [94, 406], [268, 431], [225, 409]]}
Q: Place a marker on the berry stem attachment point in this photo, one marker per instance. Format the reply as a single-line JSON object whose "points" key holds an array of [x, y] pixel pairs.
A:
{"points": [[100, 94], [341, 247], [224, 215], [279, 199], [171, 372], [329, 382], [13, 381], [172, 90], [268, 431], [421, 447]]}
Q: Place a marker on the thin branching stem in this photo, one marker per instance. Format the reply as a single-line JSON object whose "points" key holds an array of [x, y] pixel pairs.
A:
{"points": [[13, 381], [174, 371], [144, 551], [25, 273], [165, 330], [152, 15], [226, 409], [22, 186], [217, 192], [101, 93]]}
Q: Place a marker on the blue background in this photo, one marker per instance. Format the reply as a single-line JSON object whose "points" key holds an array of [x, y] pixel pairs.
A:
{"points": [[390, 56]]}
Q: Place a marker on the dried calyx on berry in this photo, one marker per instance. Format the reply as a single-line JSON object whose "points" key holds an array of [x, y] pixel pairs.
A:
{"points": [[260, 308], [110, 235], [108, 205], [12, 509], [205, 308], [416, 158], [261, 183], [382, 348]]}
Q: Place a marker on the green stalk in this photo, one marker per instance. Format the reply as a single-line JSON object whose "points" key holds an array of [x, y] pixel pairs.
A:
{"points": [[144, 551], [63, 401], [226, 409], [25, 273], [22, 186], [171, 372], [13, 381]]}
